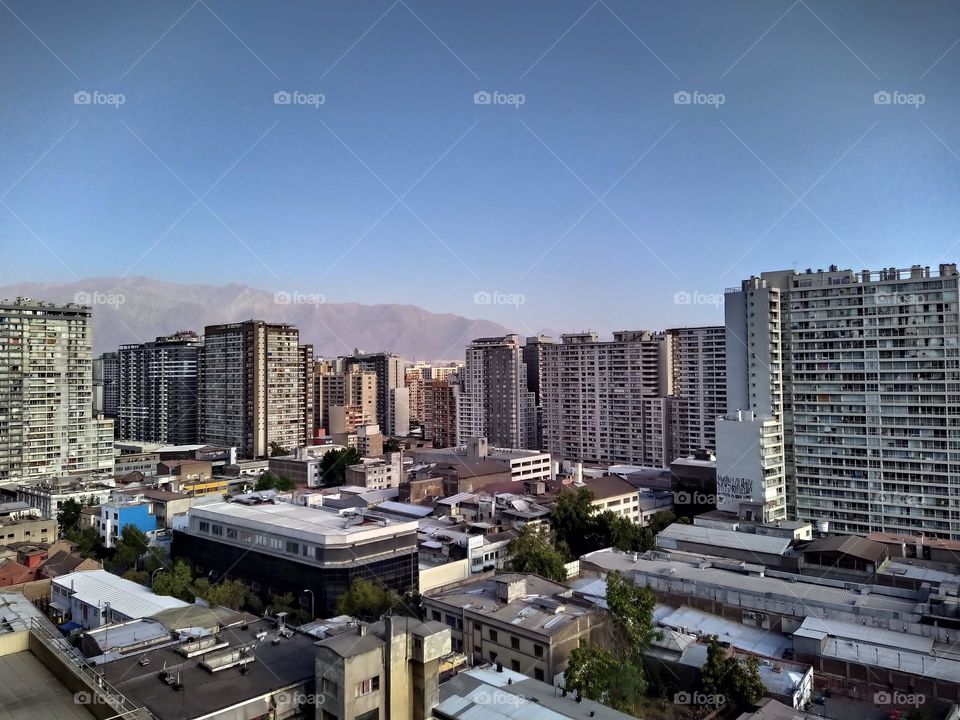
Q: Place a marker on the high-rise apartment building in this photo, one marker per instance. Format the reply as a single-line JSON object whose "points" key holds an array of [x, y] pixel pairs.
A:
{"points": [[533, 357], [440, 411], [105, 392], [698, 388], [348, 394], [252, 387], [603, 400], [494, 401], [157, 384], [393, 398], [47, 426], [414, 378], [863, 369]]}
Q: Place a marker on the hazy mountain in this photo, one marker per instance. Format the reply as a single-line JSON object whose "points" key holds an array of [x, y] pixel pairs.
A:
{"points": [[138, 309]]}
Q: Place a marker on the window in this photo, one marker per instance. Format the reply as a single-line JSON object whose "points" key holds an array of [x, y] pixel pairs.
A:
{"points": [[538, 674], [493, 657], [217, 529], [515, 665], [330, 688], [538, 650], [515, 643], [293, 547], [231, 533], [369, 715], [365, 687], [493, 635], [204, 526], [436, 616]]}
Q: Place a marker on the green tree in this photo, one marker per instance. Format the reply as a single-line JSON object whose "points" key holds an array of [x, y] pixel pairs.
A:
{"points": [[87, 543], [141, 577], [68, 516], [368, 601], [176, 581], [130, 547], [277, 450], [333, 466], [631, 613], [392, 444], [738, 681], [533, 552], [572, 521], [599, 675], [288, 604], [269, 481]]}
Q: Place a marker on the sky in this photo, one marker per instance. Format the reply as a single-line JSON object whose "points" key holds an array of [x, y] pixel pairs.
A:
{"points": [[559, 164]]}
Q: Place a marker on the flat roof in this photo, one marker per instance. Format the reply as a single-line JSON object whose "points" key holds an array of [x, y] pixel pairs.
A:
{"points": [[679, 532], [98, 587], [743, 637], [28, 691], [287, 664], [315, 524]]}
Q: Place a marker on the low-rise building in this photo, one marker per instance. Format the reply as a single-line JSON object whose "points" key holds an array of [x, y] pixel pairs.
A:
{"points": [[526, 622], [377, 473], [616, 495], [522, 465], [97, 597], [278, 547], [389, 670], [119, 513], [21, 523], [49, 494]]}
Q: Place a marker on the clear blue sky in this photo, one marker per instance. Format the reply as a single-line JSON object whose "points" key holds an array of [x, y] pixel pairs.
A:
{"points": [[502, 191]]}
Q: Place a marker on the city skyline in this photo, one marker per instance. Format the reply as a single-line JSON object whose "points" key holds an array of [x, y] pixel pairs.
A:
{"points": [[831, 145]]}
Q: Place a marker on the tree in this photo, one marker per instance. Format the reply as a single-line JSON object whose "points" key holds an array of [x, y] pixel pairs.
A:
{"points": [[269, 481], [597, 674], [131, 546], [175, 581], [87, 543], [369, 601], [533, 552], [333, 466], [392, 444], [286, 603], [277, 450], [738, 681], [631, 612], [68, 516], [573, 523], [141, 577]]}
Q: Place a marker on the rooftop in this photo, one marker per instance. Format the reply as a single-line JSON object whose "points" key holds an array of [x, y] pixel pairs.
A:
{"points": [[98, 587], [848, 545], [609, 486], [349, 644], [743, 637], [678, 532]]}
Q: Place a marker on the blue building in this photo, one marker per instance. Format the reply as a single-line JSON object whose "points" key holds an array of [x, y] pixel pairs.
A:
{"points": [[117, 514]]}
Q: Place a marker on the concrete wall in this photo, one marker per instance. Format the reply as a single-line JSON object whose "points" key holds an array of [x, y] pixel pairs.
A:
{"points": [[14, 642], [443, 574]]}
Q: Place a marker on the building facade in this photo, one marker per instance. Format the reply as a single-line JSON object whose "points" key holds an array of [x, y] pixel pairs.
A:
{"points": [[252, 389], [47, 426], [494, 401], [157, 388], [440, 410], [698, 388], [393, 398]]}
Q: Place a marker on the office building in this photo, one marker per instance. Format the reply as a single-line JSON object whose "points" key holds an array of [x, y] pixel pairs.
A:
{"points": [[278, 547], [494, 401], [21, 523], [522, 465], [603, 400], [845, 383], [157, 387], [389, 670], [252, 387], [47, 426], [393, 398]]}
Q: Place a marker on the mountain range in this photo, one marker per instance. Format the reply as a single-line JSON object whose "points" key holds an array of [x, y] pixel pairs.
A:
{"points": [[139, 309]]}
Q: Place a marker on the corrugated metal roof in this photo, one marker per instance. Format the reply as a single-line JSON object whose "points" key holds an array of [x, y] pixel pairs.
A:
{"points": [[99, 587], [723, 538]]}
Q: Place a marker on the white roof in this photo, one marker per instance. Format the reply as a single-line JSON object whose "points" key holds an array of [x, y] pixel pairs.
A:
{"points": [[99, 587], [754, 640], [405, 508], [818, 628], [668, 537]]}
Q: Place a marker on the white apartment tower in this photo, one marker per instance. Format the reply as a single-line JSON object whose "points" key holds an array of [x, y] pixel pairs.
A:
{"points": [[603, 401], [493, 401], [871, 399], [47, 426], [698, 388]]}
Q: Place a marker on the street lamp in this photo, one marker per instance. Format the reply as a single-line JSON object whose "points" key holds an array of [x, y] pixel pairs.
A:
{"points": [[313, 614], [153, 575]]}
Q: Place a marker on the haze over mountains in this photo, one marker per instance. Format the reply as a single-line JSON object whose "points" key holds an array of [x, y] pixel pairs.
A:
{"points": [[138, 309]]}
